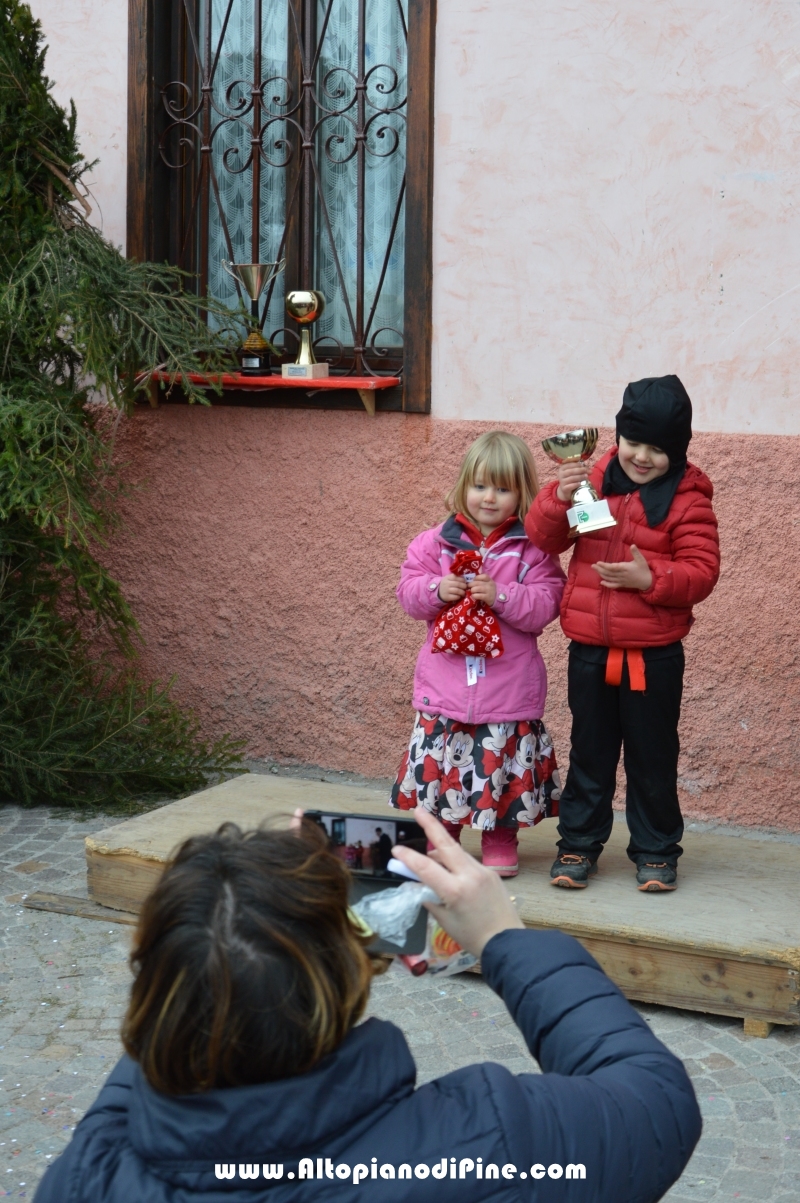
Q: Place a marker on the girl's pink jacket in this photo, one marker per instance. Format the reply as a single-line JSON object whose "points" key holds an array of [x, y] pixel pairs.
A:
{"points": [[515, 685]]}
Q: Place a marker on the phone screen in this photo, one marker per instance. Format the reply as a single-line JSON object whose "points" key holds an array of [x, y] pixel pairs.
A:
{"points": [[364, 843]]}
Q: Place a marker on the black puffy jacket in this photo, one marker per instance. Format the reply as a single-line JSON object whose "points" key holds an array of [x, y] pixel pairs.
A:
{"points": [[612, 1104]]}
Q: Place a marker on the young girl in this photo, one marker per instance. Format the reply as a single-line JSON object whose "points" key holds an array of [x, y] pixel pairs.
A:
{"points": [[627, 607], [479, 752]]}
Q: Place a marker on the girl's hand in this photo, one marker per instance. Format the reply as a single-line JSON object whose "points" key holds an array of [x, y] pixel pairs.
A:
{"points": [[452, 588], [569, 477], [633, 574], [484, 589], [475, 903]]}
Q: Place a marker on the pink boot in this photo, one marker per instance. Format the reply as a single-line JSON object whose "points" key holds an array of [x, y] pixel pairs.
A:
{"points": [[452, 829], [499, 848]]}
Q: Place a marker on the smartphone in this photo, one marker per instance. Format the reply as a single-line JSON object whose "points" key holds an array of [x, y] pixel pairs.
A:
{"points": [[364, 843]]}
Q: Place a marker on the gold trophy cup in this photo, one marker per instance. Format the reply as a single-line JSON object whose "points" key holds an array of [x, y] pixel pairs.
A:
{"points": [[305, 305], [587, 512], [255, 351]]}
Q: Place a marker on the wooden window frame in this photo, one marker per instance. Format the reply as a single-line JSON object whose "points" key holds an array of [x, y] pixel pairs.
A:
{"points": [[149, 37]]}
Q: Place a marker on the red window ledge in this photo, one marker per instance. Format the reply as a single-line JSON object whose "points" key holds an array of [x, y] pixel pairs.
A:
{"points": [[365, 386]]}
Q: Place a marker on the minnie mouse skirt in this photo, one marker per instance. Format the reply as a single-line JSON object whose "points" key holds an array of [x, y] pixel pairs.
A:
{"points": [[479, 775]]}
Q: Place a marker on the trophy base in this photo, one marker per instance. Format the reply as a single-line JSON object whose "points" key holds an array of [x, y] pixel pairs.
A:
{"points": [[304, 371], [255, 365], [254, 355], [589, 516]]}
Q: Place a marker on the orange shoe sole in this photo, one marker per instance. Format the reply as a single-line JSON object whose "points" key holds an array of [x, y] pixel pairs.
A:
{"points": [[568, 883], [656, 887]]}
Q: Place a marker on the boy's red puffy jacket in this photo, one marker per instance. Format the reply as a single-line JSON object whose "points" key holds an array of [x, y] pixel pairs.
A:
{"points": [[682, 552]]}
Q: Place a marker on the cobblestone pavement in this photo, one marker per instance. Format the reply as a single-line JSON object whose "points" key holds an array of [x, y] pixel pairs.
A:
{"points": [[63, 988]]}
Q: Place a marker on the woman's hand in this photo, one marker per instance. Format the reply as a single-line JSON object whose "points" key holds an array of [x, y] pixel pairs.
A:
{"points": [[452, 588], [632, 574], [484, 589], [475, 903], [569, 477]]}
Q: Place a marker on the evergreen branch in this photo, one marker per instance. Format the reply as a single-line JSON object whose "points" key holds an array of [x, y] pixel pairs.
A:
{"points": [[78, 321], [67, 182]]}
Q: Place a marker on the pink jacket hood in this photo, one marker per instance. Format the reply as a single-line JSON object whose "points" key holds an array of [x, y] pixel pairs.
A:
{"points": [[515, 685]]}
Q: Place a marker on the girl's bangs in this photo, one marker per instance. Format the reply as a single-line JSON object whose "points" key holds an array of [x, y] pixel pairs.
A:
{"points": [[499, 467]]}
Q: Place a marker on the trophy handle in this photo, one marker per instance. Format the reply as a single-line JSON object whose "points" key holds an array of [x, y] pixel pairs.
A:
{"points": [[226, 266], [276, 271]]}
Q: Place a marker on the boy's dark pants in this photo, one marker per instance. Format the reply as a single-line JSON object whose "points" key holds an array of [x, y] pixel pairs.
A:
{"points": [[604, 718]]}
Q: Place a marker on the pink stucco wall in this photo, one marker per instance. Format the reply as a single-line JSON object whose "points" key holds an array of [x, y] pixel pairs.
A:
{"points": [[262, 548]]}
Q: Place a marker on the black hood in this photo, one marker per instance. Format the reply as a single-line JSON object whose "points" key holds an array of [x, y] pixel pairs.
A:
{"points": [[657, 411]]}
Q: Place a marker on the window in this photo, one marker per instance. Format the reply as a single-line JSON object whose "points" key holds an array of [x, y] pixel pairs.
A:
{"points": [[296, 129]]}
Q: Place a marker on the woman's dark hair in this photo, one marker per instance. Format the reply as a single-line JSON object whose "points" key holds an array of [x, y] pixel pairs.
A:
{"points": [[247, 965]]}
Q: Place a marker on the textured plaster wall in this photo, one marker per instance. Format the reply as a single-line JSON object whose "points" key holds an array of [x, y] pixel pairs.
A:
{"points": [[87, 59], [616, 197], [261, 553]]}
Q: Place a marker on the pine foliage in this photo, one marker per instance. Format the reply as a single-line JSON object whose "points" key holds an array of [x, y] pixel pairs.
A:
{"points": [[81, 330]]}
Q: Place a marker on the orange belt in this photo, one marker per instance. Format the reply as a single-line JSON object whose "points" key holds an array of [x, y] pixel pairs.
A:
{"points": [[616, 657]]}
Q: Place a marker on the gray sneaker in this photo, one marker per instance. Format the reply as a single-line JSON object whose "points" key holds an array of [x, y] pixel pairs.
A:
{"points": [[572, 870], [656, 877]]}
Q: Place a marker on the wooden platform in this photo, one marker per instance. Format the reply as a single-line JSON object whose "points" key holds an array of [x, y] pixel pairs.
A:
{"points": [[727, 941]]}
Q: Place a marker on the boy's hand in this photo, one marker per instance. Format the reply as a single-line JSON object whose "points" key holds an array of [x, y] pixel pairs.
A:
{"points": [[483, 589], [633, 574], [452, 588], [569, 477]]}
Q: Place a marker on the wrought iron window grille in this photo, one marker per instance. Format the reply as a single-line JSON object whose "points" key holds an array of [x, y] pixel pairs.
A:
{"points": [[330, 119]]}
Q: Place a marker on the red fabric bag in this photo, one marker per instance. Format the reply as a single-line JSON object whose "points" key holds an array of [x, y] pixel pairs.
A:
{"points": [[470, 627]]}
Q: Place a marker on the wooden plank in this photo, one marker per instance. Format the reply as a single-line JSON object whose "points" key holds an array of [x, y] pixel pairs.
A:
{"points": [[149, 39], [387, 400], [236, 380], [700, 981], [726, 942], [69, 904], [757, 1027], [418, 293], [138, 130], [368, 400], [121, 882], [696, 982]]}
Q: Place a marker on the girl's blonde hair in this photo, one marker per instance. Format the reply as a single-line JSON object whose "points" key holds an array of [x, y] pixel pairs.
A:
{"points": [[503, 460]]}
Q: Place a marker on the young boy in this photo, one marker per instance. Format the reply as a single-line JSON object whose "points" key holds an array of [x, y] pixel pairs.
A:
{"points": [[626, 607]]}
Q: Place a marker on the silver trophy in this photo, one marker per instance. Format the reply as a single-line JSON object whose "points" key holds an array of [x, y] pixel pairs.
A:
{"points": [[587, 512], [255, 351]]}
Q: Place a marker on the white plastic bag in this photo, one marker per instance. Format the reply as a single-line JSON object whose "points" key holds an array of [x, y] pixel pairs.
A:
{"points": [[390, 913]]}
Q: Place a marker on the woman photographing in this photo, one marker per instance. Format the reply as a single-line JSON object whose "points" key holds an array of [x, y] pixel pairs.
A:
{"points": [[247, 1075]]}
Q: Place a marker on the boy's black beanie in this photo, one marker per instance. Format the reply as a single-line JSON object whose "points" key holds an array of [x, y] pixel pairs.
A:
{"points": [[657, 411]]}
